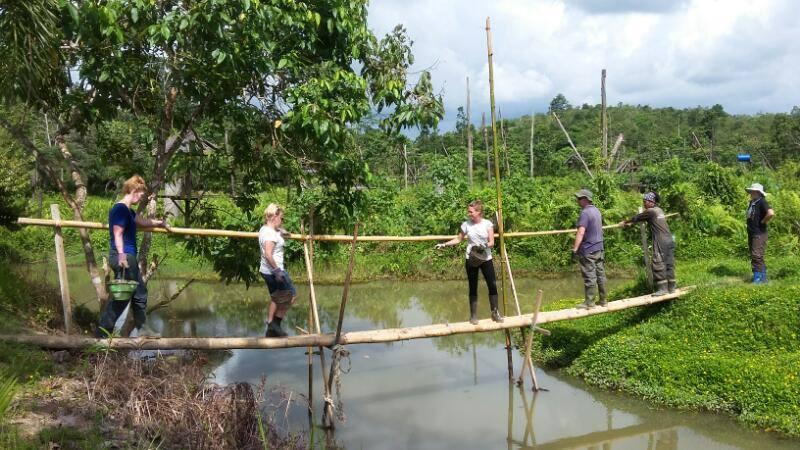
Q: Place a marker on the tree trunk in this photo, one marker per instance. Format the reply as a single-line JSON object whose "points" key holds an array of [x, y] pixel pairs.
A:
{"points": [[530, 148], [603, 114]]}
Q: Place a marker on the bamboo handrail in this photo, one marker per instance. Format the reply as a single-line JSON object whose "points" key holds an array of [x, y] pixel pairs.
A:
{"points": [[209, 232], [327, 340]]}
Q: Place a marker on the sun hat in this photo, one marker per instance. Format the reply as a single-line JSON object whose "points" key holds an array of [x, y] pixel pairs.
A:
{"points": [[756, 187], [584, 193]]}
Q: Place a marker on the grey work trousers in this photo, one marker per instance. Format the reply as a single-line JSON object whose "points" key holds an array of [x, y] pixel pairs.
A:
{"points": [[663, 260], [757, 243], [593, 271]]}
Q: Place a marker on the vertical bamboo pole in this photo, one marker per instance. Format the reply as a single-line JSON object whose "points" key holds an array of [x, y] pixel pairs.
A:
{"points": [[648, 268], [498, 189], [510, 429], [61, 261], [307, 245], [346, 289], [342, 306], [469, 138], [486, 146], [603, 114], [530, 148], [527, 360]]}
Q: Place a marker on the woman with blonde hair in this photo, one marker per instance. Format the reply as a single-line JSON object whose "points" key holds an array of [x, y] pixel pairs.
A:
{"points": [[479, 233], [122, 223], [279, 283]]}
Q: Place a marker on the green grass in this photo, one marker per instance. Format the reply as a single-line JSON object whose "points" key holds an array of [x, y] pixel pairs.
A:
{"points": [[728, 346]]}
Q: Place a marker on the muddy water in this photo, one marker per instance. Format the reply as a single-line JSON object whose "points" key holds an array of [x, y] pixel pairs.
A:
{"points": [[447, 392]]}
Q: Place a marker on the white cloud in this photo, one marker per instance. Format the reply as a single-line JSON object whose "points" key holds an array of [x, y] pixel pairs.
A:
{"points": [[742, 54]]}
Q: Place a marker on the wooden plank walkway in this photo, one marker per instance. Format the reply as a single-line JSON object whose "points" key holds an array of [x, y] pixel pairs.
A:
{"points": [[328, 340]]}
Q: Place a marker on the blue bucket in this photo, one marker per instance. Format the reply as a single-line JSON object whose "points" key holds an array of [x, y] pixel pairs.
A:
{"points": [[743, 157]]}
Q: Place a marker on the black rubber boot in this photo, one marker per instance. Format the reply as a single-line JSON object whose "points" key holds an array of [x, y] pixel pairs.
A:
{"points": [[473, 310], [601, 290], [662, 288], [671, 286], [496, 316], [270, 330], [588, 294], [278, 330]]}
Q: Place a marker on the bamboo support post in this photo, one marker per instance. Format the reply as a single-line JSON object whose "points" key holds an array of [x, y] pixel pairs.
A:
{"points": [[315, 314], [648, 267], [61, 261], [527, 362], [603, 113], [498, 188], [469, 138], [342, 305]]}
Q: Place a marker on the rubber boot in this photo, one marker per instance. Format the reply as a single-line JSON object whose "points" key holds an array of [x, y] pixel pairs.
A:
{"points": [[473, 310], [278, 330], [662, 288], [671, 286], [763, 276], [270, 330], [496, 316], [588, 301], [601, 289], [756, 277]]}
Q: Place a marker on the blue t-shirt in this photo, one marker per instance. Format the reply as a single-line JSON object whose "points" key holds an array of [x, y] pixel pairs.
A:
{"points": [[593, 238], [121, 215]]}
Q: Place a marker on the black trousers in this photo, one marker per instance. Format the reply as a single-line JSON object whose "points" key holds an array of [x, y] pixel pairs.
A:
{"points": [[487, 268]]}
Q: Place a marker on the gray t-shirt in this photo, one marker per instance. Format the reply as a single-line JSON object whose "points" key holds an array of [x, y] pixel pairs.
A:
{"points": [[657, 220], [591, 219]]}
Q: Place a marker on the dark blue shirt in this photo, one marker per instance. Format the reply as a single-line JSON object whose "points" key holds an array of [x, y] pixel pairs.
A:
{"points": [[593, 238], [121, 215]]}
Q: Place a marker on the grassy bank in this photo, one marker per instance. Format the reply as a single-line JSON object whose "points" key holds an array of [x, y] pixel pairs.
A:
{"points": [[727, 347], [93, 399]]}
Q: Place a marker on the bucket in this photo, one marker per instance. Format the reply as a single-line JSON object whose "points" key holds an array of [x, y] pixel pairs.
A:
{"points": [[122, 290], [743, 157]]}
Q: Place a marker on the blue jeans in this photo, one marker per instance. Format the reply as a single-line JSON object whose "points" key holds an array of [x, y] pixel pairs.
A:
{"points": [[273, 285], [114, 308]]}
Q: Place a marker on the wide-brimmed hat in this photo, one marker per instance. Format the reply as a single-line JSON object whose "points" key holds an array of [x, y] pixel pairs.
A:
{"points": [[584, 193], [756, 187]]}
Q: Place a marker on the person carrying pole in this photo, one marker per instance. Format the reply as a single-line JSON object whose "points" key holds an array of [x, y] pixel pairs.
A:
{"points": [[663, 243], [122, 223], [480, 240], [279, 284], [587, 250], [758, 214]]}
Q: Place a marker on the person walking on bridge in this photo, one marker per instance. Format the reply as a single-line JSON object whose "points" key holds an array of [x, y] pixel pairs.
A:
{"points": [[663, 243], [122, 223], [279, 284], [588, 250], [479, 233], [758, 214]]}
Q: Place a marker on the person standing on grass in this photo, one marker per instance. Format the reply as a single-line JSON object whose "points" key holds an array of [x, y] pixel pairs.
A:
{"points": [[758, 214], [663, 243], [122, 223], [479, 233], [588, 250], [279, 284]]}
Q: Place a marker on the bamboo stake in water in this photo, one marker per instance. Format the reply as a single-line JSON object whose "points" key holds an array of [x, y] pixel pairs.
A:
{"points": [[315, 313], [343, 304], [498, 189], [61, 261]]}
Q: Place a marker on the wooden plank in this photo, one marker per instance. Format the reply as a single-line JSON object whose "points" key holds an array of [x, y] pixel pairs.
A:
{"points": [[353, 337], [61, 261]]}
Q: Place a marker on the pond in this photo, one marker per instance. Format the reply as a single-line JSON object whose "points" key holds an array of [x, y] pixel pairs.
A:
{"points": [[449, 392]]}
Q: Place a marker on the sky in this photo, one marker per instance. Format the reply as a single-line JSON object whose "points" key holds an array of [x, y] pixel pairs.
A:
{"points": [[742, 54]]}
